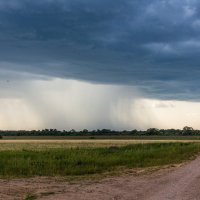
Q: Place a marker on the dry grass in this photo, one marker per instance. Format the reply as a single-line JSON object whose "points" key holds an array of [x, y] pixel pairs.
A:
{"points": [[57, 144]]}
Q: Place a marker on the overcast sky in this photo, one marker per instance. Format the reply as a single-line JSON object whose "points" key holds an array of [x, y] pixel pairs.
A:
{"points": [[119, 64]]}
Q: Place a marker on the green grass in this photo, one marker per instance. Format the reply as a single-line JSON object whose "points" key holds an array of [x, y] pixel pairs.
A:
{"points": [[85, 161], [47, 193], [30, 196]]}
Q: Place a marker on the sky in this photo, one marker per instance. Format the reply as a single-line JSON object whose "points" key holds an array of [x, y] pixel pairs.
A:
{"points": [[117, 64]]}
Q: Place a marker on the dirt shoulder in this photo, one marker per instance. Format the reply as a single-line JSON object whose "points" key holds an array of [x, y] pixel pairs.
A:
{"points": [[181, 183]]}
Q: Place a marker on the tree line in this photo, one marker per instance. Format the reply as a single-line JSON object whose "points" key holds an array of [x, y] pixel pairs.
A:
{"points": [[102, 132]]}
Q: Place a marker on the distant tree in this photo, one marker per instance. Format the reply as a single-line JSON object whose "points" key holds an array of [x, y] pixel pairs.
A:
{"points": [[187, 130], [152, 131], [134, 132], [124, 132]]}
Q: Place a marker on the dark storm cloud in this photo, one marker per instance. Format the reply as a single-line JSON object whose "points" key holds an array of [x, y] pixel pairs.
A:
{"points": [[151, 44]]}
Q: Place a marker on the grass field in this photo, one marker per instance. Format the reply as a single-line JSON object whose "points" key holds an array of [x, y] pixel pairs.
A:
{"points": [[55, 142], [35, 144], [36, 160]]}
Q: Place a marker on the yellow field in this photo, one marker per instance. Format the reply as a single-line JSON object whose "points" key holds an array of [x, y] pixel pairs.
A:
{"points": [[49, 144]]}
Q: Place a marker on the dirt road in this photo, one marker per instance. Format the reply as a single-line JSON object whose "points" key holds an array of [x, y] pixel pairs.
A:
{"points": [[182, 183]]}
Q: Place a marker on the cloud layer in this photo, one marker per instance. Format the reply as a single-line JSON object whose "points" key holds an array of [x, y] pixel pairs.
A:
{"points": [[118, 64], [153, 45]]}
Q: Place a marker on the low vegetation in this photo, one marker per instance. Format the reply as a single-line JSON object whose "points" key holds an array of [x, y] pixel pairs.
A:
{"points": [[84, 161], [30, 196]]}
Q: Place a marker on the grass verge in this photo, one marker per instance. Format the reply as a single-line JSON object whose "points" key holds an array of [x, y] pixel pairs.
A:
{"points": [[87, 161]]}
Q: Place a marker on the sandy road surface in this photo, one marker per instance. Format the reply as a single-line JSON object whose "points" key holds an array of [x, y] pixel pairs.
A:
{"points": [[181, 183]]}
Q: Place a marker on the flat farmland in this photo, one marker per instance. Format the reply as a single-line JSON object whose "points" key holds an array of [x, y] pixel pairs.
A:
{"points": [[61, 143], [43, 169]]}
